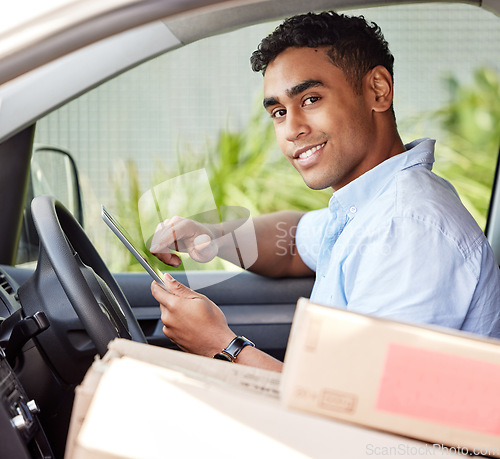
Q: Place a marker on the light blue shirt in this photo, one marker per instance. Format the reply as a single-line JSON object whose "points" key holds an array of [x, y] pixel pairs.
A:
{"points": [[398, 243]]}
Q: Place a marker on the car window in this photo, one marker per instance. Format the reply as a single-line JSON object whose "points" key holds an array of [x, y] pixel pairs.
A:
{"points": [[199, 110]]}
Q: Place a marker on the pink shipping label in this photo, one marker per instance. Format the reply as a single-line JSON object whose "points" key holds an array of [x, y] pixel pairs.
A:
{"points": [[442, 388]]}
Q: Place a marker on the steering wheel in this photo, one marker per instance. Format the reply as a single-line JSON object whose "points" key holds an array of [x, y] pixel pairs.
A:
{"points": [[101, 306]]}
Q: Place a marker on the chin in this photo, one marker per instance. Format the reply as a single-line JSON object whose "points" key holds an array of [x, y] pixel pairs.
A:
{"points": [[316, 181], [316, 185]]}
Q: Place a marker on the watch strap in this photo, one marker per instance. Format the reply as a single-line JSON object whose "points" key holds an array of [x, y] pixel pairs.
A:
{"points": [[233, 349]]}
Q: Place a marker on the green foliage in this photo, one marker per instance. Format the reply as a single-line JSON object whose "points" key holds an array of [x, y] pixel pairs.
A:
{"points": [[474, 112], [127, 198], [128, 192], [471, 125]]}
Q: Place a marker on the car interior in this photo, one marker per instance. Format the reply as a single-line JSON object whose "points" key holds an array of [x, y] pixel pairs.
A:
{"points": [[67, 121]]}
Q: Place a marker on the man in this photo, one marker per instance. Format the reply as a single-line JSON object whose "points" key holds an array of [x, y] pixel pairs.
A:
{"points": [[395, 240]]}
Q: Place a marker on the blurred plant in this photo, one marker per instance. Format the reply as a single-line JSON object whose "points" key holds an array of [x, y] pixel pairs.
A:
{"points": [[467, 154], [474, 111]]}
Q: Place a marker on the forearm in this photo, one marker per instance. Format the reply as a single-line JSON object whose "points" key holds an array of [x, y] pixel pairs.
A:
{"points": [[272, 235], [254, 357]]}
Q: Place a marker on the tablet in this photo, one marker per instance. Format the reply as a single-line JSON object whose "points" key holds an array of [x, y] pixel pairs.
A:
{"points": [[133, 247]]}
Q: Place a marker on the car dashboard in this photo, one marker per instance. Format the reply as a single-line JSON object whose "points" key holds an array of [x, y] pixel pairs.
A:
{"points": [[21, 434]]}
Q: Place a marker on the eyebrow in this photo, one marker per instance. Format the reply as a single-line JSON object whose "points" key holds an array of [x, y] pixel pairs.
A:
{"points": [[293, 91]]}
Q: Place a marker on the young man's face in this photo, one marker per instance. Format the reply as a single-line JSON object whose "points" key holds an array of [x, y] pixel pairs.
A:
{"points": [[323, 128]]}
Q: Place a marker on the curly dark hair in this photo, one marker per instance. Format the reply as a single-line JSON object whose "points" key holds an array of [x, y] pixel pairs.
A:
{"points": [[355, 45]]}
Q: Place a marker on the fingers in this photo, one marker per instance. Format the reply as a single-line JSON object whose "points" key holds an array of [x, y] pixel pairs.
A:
{"points": [[204, 248], [191, 320], [177, 291], [171, 302], [164, 237], [170, 259], [183, 235]]}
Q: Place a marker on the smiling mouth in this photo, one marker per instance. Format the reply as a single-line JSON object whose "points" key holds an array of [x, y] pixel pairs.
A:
{"points": [[310, 151]]}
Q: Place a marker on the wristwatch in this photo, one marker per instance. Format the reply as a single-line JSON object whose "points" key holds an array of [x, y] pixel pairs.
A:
{"points": [[232, 350]]}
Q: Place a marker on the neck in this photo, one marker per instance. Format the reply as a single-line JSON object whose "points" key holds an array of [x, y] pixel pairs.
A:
{"points": [[388, 142]]}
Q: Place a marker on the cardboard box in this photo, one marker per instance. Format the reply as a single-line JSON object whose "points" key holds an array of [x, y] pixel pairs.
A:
{"points": [[142, 401], [427, 383]]}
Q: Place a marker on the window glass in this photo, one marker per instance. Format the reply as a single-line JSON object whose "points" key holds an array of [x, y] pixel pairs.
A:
{"points": [[199, 108]]}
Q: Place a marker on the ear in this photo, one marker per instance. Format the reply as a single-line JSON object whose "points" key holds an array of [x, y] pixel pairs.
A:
{"points": [[378, 88]]}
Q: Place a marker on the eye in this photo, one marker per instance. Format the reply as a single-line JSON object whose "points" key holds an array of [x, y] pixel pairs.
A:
{"points": [[279, 113], [311, 100]]}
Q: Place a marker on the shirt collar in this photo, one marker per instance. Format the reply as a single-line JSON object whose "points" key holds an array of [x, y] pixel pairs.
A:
{"points": [[351, 198]]}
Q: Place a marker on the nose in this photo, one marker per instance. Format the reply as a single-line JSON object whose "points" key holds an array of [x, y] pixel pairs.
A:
{"points": [[296, 125]]}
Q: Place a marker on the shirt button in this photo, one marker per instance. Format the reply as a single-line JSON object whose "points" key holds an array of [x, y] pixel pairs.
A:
{"points": [[353, 210]]}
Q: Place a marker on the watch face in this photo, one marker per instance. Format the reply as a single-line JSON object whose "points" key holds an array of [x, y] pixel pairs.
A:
{"points": [[222, 356]]}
